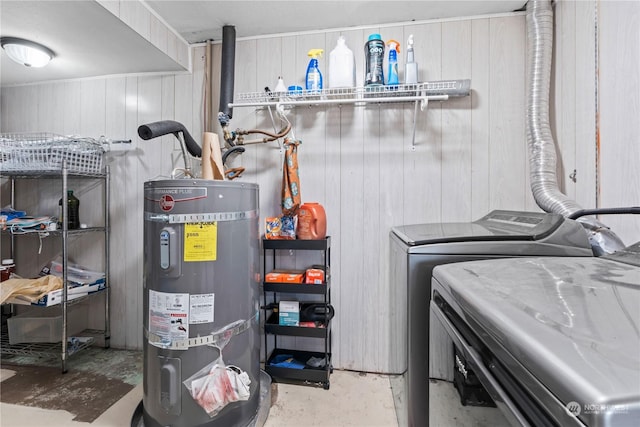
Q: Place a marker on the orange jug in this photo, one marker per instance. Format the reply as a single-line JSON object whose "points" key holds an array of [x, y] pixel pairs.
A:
{"points": [[312, 222]]}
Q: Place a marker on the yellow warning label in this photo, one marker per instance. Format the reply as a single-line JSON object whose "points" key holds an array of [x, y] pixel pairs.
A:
{"points": [[200, 241]]}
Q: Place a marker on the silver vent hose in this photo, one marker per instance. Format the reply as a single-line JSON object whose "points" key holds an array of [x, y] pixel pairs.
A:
{"points": [[542, 149]]}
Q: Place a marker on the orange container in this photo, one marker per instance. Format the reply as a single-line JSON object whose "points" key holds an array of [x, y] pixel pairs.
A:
{"points": [[312, 222], [314, 276], [284, 276]]}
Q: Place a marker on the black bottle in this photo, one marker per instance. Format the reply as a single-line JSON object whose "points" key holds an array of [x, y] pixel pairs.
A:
{"points": [[73, 208]]}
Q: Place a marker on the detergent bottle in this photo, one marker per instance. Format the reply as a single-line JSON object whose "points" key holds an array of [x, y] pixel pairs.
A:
{"points": [[394, 50], [342, 66], [312, 222], [313, 79], [374, 56]]}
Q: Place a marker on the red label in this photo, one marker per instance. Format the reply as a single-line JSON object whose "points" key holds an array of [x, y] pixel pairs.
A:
{"points": [[166, 202]]}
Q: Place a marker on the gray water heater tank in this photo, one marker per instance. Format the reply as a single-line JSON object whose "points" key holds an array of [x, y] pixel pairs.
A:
{"points": [[201, 326]]}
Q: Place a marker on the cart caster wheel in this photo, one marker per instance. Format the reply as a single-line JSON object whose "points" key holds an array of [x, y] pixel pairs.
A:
{"points": [[331, 370], [326, 385]]}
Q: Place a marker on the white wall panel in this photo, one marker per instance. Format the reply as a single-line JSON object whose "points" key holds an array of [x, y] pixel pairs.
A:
{"points": [[585, 105], [456, 132], [480, 115], [422, 158], [507, 153], [563, 91], [121, 172], [619, 93], [601, 146]]}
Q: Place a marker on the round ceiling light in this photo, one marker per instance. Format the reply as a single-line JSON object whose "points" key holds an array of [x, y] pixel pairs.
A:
{"points": [[25, 52]]}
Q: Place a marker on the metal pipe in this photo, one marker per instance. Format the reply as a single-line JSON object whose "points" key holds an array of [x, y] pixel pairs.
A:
{"points": [[107, 259], [65, 263], [227, 70]]}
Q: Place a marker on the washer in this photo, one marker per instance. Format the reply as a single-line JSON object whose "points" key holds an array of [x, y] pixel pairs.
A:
{"points": [[416, 249], [555, 341]]}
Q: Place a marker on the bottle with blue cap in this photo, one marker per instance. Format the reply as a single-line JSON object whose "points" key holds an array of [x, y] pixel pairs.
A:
{"points": [[374, 58]]}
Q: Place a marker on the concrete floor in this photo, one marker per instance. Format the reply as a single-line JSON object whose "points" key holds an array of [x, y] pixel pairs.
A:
{"points": [[354, 399]]}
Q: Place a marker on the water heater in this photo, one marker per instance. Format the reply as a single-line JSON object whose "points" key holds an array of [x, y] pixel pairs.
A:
{"points": [[201, 326]]}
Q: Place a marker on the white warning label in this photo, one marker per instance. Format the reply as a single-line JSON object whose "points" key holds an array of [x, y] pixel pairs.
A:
{"points": [[201, 308], [168, 316]]}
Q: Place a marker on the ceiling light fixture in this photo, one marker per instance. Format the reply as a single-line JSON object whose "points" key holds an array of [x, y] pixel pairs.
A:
{"points": [[25, 52]]}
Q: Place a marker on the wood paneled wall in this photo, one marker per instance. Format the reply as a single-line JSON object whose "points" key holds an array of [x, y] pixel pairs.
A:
{"points": [[359, 162], [619, 109], [595, 92]]}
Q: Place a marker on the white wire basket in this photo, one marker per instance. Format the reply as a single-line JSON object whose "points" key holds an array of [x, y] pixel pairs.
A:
{"points": [[35, 152]]}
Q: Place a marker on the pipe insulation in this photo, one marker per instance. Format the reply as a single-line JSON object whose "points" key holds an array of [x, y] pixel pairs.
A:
{"points": [[227, 69], [542, 148]]}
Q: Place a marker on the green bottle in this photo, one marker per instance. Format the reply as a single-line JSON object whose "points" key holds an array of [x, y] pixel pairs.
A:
{"points": [[73, 208]]}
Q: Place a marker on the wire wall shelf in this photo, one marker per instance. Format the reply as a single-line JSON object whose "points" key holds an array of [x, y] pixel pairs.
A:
{"points": [[423, 92], [420, 94]]}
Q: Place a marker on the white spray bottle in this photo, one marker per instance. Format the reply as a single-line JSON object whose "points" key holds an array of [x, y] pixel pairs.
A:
{"points": [[411, 67]]}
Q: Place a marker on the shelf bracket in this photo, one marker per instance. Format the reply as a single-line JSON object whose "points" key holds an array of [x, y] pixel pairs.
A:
{"points": [[424, 103], [415, 120]]}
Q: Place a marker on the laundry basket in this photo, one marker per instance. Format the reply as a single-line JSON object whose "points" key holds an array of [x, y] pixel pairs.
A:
{"points": [[41, 152]]}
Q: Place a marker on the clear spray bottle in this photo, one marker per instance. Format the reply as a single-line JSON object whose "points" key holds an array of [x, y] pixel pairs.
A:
{"points": [[411, 67]]}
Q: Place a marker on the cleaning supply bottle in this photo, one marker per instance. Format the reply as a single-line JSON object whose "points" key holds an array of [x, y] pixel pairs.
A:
{"points": [[313, 79], [411, 67], [312, 222], [342, 66], [394, 50], [374, 57]]}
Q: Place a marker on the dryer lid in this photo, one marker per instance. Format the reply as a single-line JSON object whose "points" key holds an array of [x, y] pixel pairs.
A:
{"points": [[497, 225]]}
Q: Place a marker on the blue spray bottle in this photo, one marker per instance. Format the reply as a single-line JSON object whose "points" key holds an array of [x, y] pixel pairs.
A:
{"points": [[394, 50], [313, 80]]}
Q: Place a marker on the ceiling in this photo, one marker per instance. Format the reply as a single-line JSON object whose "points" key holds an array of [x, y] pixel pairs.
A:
{"points": [[91, 41], [199, 21]]}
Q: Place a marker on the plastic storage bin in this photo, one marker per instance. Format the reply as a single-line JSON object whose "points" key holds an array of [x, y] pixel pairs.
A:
{"points": [[45, 324]]}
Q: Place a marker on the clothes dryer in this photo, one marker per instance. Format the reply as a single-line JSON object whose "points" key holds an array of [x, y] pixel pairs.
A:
{"points": [[555, 341], [416, 249]]}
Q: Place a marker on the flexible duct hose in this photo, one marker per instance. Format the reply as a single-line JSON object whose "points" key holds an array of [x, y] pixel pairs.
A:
{"points": [[542, 149]]}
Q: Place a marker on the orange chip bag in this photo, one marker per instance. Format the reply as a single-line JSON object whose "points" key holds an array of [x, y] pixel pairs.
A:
{"points": [[273, 227]]}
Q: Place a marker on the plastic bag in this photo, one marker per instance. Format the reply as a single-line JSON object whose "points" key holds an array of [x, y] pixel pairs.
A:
{"points": [[216, 385]]}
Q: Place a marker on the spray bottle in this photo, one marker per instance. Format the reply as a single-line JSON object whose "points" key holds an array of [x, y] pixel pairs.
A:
{"points": [[313, 80], [394, 50], [411, 67]]}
